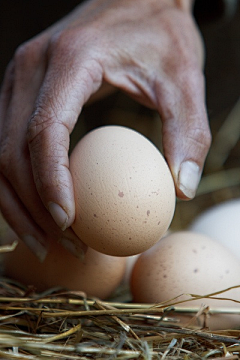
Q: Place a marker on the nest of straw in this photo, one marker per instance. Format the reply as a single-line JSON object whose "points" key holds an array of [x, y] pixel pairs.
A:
{"points": [[60, 324]]}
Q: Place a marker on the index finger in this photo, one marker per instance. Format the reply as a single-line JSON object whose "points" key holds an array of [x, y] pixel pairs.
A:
{"points": [[69, 82]]}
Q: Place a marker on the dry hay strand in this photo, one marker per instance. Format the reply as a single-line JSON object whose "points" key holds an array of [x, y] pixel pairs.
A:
{"points": [[61, 324]]}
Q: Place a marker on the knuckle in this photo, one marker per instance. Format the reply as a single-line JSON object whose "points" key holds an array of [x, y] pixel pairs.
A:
{"points": [[23, 52], [27, 54], [46, 134], [69, 41], [38, 123], [61, 42], [201, 136]]}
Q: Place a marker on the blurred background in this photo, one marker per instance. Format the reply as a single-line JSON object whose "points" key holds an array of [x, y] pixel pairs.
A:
{"points": [[219, 22]]}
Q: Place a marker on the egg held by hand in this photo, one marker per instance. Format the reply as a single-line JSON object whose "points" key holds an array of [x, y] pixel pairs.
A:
{"points": [[97, 275], [188, 263], [124, 191]]}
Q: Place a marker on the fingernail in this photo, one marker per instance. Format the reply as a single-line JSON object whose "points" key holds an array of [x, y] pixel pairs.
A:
{"points": [[70, 246], [35, 246], [59, 215], [188, 178]]}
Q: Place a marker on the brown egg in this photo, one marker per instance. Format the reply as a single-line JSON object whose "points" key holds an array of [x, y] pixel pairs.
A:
{"points": [[98, 275], [188, 263], [124, 191]]}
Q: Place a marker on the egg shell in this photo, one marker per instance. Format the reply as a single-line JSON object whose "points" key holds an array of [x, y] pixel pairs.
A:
{"points": [[124, 191], [130, 262], [222, 223], [188, 263], [98, 275]]}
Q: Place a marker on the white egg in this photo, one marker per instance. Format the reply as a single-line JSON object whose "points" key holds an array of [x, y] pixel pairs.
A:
{"points": [[222, 223]]}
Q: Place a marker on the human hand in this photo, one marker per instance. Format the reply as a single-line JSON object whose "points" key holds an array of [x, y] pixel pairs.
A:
{"points": [[151, 49]]}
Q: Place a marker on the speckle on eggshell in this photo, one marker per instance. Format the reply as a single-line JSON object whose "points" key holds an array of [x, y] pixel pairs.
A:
{"points": [[185, 263], [132, 191]]}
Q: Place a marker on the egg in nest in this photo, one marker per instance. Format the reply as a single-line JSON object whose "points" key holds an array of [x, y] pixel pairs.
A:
{"points": [[97, 275], [184, 263]]}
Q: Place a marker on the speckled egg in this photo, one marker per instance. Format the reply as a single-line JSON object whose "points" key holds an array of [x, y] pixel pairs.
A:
{"points": [[188, 263], [124, 191]]}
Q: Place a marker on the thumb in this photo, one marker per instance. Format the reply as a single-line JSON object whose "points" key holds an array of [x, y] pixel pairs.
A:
{"points": [[67, 85], [186, 133]]}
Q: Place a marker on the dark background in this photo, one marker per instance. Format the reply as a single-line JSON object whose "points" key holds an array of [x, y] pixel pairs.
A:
{"points": [[20, 20]]}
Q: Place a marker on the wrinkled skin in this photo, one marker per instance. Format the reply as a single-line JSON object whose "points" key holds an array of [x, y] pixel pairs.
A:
{"points": [[151, 50]]}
